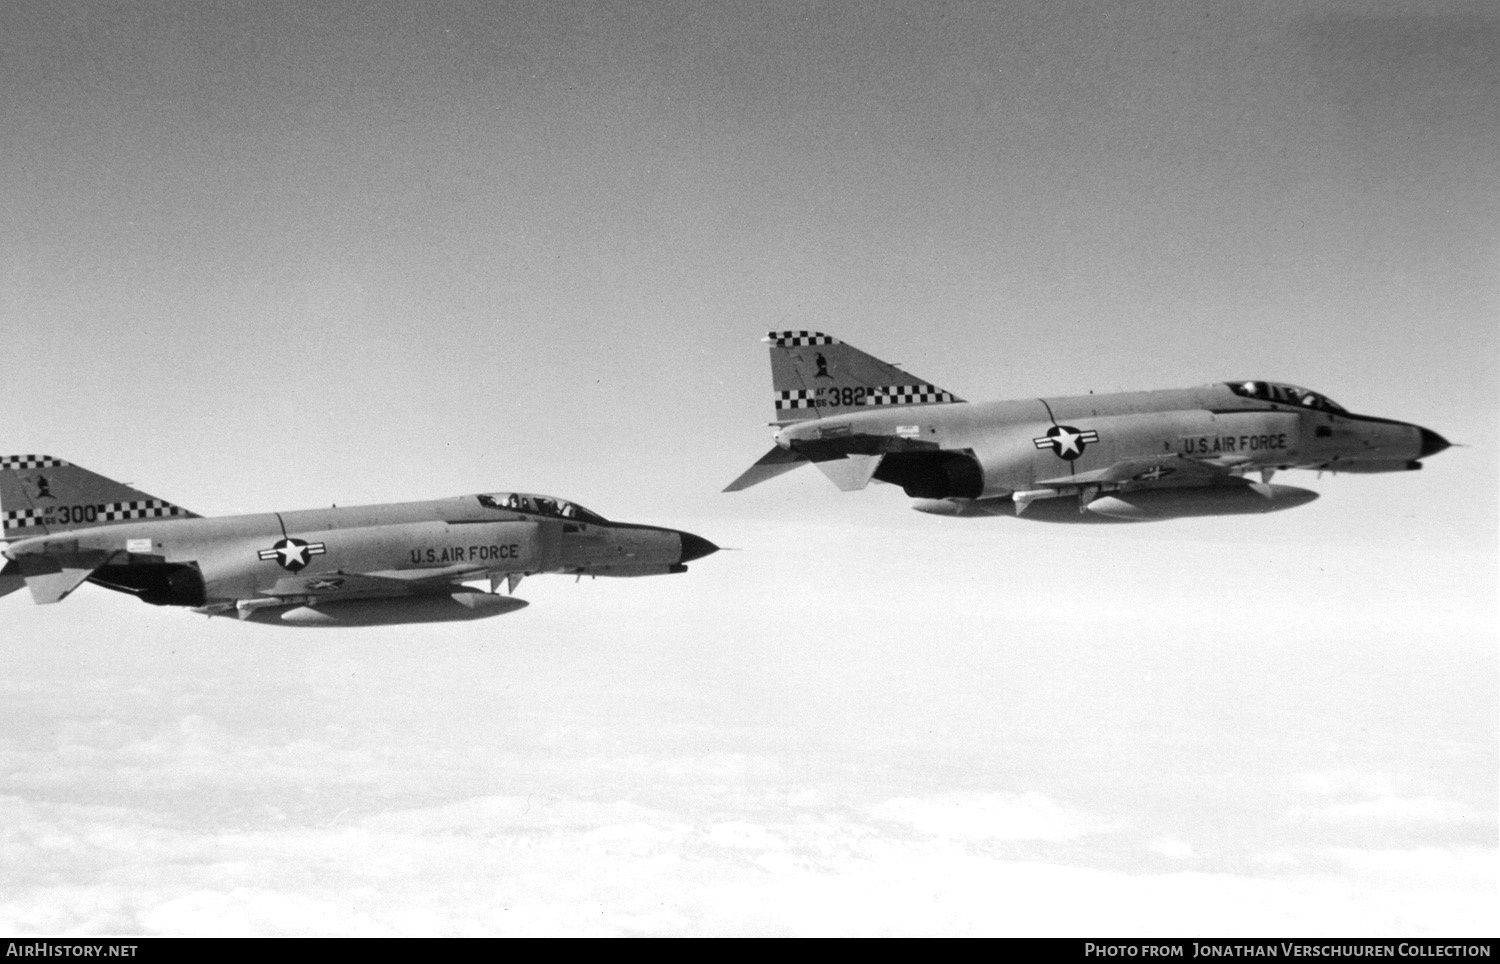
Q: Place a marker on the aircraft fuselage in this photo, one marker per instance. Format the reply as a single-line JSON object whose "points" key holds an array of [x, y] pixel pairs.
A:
{"points": [[994, 450], [332, 557]]}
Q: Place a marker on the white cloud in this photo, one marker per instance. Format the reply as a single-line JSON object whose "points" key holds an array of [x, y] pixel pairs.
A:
{"points": [[1360, 783], [1400, 811], [568, 866], [1467, 867], [994, 816], [738, 834], [1173, 849], [1384, 798], [558, 787]]}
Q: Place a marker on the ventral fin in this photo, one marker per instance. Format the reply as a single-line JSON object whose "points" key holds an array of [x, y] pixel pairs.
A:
{"points": [[52, 577], [851, 473]]}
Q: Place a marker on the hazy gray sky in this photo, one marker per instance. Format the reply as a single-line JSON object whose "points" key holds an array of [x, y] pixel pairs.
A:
{"points": [[276, 255]]}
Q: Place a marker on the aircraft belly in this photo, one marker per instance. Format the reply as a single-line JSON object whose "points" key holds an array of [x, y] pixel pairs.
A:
{"points": [[459, 606], [266, 563], [1031, 456], [486, 546], [1213, 500], [1143, 505]]}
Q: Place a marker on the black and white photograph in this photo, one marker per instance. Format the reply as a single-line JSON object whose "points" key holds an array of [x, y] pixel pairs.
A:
{"points": [[713, 468]]}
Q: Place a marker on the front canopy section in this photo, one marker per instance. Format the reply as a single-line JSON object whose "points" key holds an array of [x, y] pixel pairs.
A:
{"points": [[532, 504], [1285, 394]]}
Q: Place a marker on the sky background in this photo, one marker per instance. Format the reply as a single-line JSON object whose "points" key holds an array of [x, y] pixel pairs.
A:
{"points": [[271, 255]]}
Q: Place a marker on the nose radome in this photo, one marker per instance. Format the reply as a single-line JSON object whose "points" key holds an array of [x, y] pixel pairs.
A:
{"points": [[1432, 443], [695, 547]]}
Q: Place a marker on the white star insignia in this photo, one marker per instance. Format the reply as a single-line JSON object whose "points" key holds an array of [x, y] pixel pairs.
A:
{"points": [[1065, 441], [292, 554]]}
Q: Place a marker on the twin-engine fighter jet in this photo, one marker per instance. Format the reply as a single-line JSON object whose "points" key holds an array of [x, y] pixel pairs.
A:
{"points": [[1123, 457], [359, 566]]}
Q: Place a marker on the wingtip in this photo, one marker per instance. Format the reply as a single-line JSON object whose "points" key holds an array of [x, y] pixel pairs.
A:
{"points": [[768, 466]]}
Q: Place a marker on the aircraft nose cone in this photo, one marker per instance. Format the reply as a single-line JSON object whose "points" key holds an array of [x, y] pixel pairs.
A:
{"points": [[695, 547], [1432, 443]]}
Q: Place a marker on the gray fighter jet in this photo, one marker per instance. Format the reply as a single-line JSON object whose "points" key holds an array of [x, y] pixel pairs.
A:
{"points": [[1123, 457], [405, 562]]}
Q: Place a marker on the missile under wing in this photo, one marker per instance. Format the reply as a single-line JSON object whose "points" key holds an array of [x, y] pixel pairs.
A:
{"points": [[361, 565], [1122, 457]]}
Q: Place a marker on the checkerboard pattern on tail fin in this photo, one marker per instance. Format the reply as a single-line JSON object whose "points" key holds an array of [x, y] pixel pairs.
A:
{"points": [[815, 375], [40, 495]]}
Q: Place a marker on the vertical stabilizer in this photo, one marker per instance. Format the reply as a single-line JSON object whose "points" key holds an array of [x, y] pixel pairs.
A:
{"points": [[815, 375], [40, 495]]}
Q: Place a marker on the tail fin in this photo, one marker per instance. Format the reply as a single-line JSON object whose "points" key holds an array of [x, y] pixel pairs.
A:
{"points": [[815, 375], [40, 495]]}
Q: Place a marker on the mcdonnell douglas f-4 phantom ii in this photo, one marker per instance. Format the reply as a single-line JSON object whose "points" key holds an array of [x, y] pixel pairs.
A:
{"points": [[404, 562], [1122, 457]]}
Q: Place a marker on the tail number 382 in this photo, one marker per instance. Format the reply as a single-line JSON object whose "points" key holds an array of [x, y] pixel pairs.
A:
{"points": [[836, 397]]}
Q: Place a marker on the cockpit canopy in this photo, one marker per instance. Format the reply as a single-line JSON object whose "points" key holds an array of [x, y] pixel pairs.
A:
{"points": [[1285, 394], [538, 505]]}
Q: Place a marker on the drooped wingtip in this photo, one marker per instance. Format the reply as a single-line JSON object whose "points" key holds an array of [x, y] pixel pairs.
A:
{"points": [[768, 466]]}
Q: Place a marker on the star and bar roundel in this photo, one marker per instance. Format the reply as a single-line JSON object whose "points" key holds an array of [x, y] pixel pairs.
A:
{"points": [[293, 555], [1065, 441]]}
